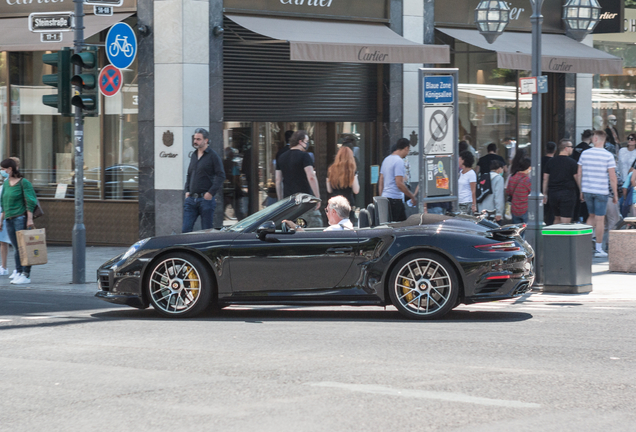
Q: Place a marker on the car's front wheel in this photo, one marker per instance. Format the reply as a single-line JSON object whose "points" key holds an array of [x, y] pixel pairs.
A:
{"points": [[423, 285], [179, 285]]}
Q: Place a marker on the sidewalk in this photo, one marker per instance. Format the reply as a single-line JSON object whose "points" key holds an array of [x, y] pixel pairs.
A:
{"points": [[57, 274]]}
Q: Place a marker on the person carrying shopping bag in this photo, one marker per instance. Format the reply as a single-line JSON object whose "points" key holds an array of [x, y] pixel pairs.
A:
{"points": [[18, 202]]}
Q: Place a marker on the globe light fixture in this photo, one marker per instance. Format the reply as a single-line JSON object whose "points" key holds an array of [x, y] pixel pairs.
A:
{"points": [[492, 17], [581, 16]]}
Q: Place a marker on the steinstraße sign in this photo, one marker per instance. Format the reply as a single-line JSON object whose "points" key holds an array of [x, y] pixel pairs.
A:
{"points": [[51, 22], [369, 10]]}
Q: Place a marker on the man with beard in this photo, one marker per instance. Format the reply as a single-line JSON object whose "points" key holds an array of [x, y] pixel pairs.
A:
{"points": [[205, 176]]}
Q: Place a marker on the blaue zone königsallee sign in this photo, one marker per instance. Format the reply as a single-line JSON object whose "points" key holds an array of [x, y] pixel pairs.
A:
{"points": [[376, 10]]}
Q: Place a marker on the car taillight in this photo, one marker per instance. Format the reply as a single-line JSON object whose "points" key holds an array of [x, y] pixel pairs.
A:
{"points": [[499, 247]]}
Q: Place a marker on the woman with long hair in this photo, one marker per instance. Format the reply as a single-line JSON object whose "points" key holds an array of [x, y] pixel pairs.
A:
{"points": [[342, 178], [18, 202]]}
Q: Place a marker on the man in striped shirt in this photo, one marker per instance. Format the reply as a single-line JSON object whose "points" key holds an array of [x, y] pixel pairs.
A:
{"points": [[596, 167]]}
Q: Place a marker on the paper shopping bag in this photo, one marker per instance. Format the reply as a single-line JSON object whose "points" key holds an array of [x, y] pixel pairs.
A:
{"points": [[32, 246]]}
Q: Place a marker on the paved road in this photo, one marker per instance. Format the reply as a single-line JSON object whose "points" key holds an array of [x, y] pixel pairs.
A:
{"points": [[544, 363]]}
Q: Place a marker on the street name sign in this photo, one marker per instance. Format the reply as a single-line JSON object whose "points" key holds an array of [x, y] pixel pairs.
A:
{"points": [[51, 37], [104, 2], [103, 10], [47, 22], [438, 89]]}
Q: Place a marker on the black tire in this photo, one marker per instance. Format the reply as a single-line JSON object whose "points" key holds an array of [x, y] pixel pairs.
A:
{"points": [[179, 285], [423, 286]]}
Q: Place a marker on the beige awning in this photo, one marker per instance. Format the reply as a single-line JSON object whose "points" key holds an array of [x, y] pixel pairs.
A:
{"points": [[343, 42], [559, 53], [15, 34]]}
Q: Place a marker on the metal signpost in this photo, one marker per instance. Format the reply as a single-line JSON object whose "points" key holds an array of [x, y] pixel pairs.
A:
{"points": [[439, 130]]}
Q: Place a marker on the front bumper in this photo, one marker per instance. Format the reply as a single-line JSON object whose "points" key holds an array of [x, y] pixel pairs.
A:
{"points": [[120, 288]]}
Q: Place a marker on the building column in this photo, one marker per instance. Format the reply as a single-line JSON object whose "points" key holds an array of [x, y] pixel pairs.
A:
{"points": [[393, 90], [181, 101], [216, 92], [146, 120], [584, 111]]}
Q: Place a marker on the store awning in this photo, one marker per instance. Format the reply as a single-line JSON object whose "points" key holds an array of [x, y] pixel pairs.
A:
{"points": [[343, 42], [15, 34], [559, 53]]}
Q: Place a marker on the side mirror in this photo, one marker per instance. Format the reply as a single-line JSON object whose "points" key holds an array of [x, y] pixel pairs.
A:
{"points": [[265, 228]]}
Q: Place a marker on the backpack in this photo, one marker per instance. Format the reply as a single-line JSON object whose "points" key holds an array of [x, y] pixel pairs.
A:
{"points": [[484, 186]]}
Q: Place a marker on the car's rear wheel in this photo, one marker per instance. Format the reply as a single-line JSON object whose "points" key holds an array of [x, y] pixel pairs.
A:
{"points": [[423, 285], [179, 285]]}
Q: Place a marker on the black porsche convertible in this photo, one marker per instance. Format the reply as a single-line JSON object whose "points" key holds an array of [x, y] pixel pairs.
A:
{"points": [[424, 266]]}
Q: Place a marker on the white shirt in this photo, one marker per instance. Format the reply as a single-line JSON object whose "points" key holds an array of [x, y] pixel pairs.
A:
{"points": [[625, 160], [465, 192], [392, 166], [596, 162], [340, 226]]}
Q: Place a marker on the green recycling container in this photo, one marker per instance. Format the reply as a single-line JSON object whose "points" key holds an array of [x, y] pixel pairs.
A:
{"points": [[567, 258]]}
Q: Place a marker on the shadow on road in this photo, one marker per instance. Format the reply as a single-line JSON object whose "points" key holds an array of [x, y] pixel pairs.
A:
{"points": [[296, 314]]}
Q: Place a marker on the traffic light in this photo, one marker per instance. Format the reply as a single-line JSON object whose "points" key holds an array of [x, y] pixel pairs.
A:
{"points": [[61, 80], [88, 99]]}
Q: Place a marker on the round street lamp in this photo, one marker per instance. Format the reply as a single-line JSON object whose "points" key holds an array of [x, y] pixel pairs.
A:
{"points": [[492, 17], [581, 16]]}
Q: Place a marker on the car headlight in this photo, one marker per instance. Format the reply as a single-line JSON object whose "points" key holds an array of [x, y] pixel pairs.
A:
{"points": [[134, 248]]}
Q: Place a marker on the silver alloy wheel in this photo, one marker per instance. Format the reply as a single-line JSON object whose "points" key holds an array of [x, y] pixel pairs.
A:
{"points": [[175, 285], [423, 286]]}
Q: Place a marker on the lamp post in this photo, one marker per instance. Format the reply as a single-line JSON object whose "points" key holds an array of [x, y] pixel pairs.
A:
{"points": [[580, 16]]}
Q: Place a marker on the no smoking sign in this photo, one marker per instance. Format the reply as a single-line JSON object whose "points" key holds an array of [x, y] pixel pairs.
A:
{"points": [[439, 122]]}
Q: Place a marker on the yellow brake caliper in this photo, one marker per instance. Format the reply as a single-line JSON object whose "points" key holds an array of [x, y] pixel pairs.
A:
{"points": [[407, 283], [194, 283]]}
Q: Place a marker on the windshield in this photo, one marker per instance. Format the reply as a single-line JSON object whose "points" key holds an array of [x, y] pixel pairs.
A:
{"points": [[259, 215]]}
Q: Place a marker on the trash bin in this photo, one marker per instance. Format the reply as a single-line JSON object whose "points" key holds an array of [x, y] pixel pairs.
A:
{"points": [[567, 258]]}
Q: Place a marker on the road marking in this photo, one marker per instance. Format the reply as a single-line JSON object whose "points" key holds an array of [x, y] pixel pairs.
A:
{"points": [[3, 320], [423, 394]]}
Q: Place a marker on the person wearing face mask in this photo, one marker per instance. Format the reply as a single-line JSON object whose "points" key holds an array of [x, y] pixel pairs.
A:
{"points": [[18, 202], [295, 174], [495, 200]]}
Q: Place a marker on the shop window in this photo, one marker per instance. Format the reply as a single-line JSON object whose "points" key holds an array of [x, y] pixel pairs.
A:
{"points": [[4, 106]]}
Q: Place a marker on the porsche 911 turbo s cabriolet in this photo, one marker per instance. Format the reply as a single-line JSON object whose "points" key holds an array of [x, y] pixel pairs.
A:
{"points": [[424, 266]]}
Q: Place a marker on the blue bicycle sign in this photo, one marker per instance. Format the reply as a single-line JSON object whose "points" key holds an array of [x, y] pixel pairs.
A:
{"points": [[121, 45]]}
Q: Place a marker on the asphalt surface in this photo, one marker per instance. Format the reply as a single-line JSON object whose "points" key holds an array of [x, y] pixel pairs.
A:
{"points": [[69, 361]]}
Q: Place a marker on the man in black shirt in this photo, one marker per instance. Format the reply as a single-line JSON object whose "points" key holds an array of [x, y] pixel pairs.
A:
{"points": [[550, 149], [205, 176], [483, 166], [559, 183], [295, 173]]}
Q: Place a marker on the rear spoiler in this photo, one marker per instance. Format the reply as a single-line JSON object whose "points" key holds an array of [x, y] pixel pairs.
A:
{"points": [[507, 231]]}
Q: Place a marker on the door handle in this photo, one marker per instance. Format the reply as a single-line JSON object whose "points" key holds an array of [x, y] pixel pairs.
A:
{"points": [[339, 250]]}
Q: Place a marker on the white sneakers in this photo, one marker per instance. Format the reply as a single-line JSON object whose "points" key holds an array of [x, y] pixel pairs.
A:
{"points": [[3, 271], [14, 274], [600, 254], [20, 279]]}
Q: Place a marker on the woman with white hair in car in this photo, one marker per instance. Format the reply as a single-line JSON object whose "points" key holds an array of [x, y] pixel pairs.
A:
{"points": [[337, 209]]}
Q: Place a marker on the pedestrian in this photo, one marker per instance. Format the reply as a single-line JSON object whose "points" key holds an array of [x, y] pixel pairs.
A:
{"points": [[627, 156], [342, 177], [612, 211], [580, 209], [483, 165], [285, 147], [496, 200], [4, 238], [596, 168], [391, 183], [515, 164], [586, 143], [519, 187], [295, 174], [338, 210], [205, 177], [467, 184], [550, 149], [18, 202], [559, 183], [612, 139]]}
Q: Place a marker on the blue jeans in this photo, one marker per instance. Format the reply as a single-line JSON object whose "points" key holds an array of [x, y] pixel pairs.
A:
{"points": [[520, 219], [12, 226], [195, 207]]}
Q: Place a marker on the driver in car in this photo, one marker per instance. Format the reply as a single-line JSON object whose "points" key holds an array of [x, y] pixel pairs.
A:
{"points": [[338, 209]]}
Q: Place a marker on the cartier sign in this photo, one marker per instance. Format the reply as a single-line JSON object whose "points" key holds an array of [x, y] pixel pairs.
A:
{"points": [[612, 17], [369, 10]]}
